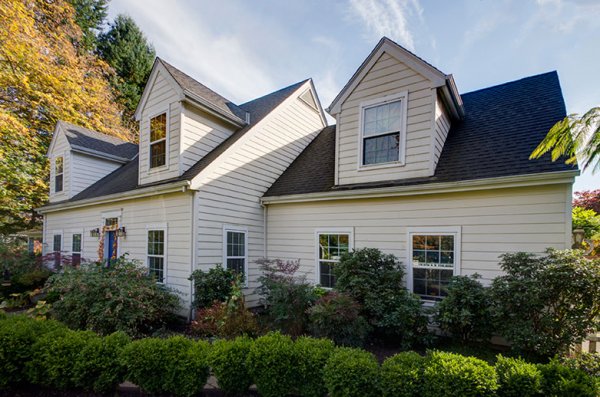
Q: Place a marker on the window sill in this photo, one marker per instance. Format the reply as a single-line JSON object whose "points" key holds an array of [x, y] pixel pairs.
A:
{"points": [[380, 166]]}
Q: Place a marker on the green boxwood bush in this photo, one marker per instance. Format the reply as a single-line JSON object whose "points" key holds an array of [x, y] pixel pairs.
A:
{"points": [[54, 357], [559, 380], [517, 378], [273, 365], [18, 334], [176, 365], [212, 286], [228, 361], [448, 374], [98, 367], [312, 356], [352, 372], [402, 374]]}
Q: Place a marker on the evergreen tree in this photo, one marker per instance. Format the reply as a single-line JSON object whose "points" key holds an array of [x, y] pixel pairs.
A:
{"points": [[90, 16], [125, 48]]}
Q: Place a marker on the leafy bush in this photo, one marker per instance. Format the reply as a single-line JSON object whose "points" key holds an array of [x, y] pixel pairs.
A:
{"points": [[448, 374], [561, 381], [54, 356], [352, 372], [588, 220], [543, 305], [466, 311], [272, 364], [25, 271], [337, 316], [228, 360], [312, 356], [176, 365], [285, 295], [212, 285], [375, 280], [122, 297], [18, 334], [98, 367], [401, 375], [587, 362], [517, 378]]}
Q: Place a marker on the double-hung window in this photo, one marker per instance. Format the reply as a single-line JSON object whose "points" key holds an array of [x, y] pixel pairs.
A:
{"points": [[434, 257], [331, 246], [76, 249], [58, 174], [383, 125], [236, 250], [57, 248], [156, 254], [158, 140]]}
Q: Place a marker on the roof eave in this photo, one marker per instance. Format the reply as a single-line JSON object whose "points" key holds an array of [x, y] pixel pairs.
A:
{"points": [[102, 155], [211, 109]]}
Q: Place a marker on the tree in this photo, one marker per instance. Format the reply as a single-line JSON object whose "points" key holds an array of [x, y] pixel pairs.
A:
{"points": [[43, 79], [574, 137], [588, 199], [588, 220], [125, 48], [90, 16]]}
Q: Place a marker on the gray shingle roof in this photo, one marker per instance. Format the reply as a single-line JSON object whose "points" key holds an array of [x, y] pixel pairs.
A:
{"points": [[219, 103], [125, 178], [503, 124], [95, 141]]}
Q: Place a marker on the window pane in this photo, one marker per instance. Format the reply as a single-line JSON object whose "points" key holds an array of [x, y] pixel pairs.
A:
{"points": [[111, 221], [58, 183], [447, 258], [236, 244], [58, 165], [436, 253], [327, 278], [237, 265], [331, 247], [76, 243], [57, 243], [433, 257], [418, 257], [382, 118], [448, 243], [381, 149], [156, 267], [158, 154], [418, 242], [158, 127], [156, 242], [432, 242]]}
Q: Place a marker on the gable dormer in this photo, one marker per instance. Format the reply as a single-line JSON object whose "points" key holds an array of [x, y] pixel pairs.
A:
{"points": [[181, 121], [79, 157], [393, 117]]}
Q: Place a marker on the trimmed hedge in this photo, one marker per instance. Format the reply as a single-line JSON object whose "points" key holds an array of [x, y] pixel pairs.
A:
{"points": [[312, 355], [402, 375], [449, 374], [352, 372], [272, 364], [561, 381], [517, 378], [228, 361]]}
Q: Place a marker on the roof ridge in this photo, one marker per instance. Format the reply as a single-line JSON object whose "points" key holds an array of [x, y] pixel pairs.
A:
{"points": [[512, 82]]}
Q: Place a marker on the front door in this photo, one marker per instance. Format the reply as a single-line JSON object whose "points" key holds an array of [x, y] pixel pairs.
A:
{"points": [[111, 249]]}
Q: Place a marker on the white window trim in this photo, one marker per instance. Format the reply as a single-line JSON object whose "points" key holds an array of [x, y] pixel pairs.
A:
{"points": [[80, 252], [455, 231], [331, 230], [167, 139], [62, 188], [403, 98], [62, 240], [236, 229], [164, 228]]}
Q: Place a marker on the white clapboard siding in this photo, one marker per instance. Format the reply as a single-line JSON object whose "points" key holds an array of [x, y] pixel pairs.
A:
{"points": [[231, 193], [162, 98], [60, 148], [492, 221], [87, 170], [200, 134], [388, 76], [442, 127], [174, 209]]}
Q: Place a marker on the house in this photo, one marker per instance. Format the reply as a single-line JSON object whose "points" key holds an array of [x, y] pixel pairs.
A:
{"points": [[438, 178]]}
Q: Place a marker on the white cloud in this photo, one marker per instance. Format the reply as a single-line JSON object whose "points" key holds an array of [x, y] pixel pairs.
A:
{"points": [[388, 18]]}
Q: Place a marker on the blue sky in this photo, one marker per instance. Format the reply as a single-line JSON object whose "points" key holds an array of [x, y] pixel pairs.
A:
{"points": [[245, 49]]}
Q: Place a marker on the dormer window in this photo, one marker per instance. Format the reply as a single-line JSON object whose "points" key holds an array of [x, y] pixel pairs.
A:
{"points": [[158, 140], [383, 131], [58, 174]]}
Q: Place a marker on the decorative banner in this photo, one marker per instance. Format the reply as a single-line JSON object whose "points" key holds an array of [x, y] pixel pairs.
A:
{"points": [[101, 242]]}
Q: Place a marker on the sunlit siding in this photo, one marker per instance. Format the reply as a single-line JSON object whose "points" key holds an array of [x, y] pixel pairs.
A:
{"points": [[442, 127], [87, 170], [61, 148]]}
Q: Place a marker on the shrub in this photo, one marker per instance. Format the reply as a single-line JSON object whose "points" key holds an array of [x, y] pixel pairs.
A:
{"points": [[98, 367], [401, 375], [375, 280], [352, 372], [337, 316], [559, 380], [587, 362], [18, 334], [312, 356], [54, 356], [24, 270], [466, 311], [122, 297], [212, 285], [543, 305], [272, 364], [228, 360], [448, 374], [176, 365], [285, 295], [517, 378]]}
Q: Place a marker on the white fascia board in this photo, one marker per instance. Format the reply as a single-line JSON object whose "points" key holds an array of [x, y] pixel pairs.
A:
{"points": [[57, 130], [566, 177], [179, 186], [95, 153], [210, 108]]}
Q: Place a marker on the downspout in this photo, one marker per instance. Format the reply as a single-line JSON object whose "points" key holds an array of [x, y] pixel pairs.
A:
{"points": [[193, 255]]}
